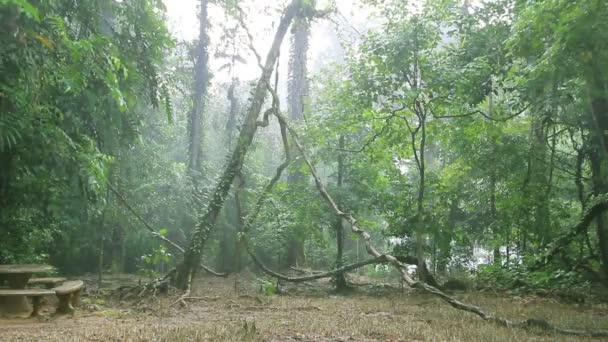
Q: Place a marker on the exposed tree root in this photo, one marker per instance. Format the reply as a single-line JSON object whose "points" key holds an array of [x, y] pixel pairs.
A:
{"points": [[182, 300]]}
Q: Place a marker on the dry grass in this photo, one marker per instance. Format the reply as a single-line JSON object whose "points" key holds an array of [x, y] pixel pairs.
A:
{"points": [[306, 316]]}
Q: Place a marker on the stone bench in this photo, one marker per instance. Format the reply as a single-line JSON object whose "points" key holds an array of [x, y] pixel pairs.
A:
{"points": [[69, 295], [35, 294], [49, 283]]}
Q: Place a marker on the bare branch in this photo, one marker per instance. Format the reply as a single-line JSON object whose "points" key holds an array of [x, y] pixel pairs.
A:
{"points": [[240, 18], [378, 260]]}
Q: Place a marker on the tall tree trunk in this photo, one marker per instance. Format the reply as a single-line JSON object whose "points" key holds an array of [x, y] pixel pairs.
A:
{"points": [[597, 86], [232, 112], [192, 257], [229, 252], [494, 217], [100, 259], [201, 79], [599, 187], [419, 156], [445, 242], [536, 211], [340, 279], [420, 243], [419, 232], [297, 88], [118, 249]]}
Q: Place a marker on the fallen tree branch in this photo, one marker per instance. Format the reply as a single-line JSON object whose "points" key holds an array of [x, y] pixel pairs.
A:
{"points": [[215, 273], [424, 270], [300, 270], [206, 299], [377, 260], [366, 238]]}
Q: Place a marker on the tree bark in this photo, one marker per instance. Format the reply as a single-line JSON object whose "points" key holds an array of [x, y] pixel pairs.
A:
{"points": [[102, 220], [600, 187], [201, 79], [297, 87], [597, 88], [187, 267], [422, 270], [340, 279], [445, 242], [494, 216]]}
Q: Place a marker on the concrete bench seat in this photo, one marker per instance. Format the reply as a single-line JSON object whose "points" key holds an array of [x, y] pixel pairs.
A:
{"points": [[69, 295], [48, 282], [35, 294]]}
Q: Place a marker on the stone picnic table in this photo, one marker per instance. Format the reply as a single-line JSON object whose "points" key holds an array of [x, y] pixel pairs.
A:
{"points": [[16, 277]]}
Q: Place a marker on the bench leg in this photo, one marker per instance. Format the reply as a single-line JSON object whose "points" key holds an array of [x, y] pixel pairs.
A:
{"points": [[36, 303], [75, 300], [16, 306], [64, 307]]}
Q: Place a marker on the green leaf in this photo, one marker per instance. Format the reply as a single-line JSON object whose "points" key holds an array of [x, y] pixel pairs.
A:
{"points": [[24, 6]]}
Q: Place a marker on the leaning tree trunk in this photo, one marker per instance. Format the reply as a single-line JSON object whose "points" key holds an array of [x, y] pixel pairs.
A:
{"points": [[189, 264]]}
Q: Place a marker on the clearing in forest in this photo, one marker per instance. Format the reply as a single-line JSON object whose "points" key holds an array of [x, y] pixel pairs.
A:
{"points": [[311, 312]]}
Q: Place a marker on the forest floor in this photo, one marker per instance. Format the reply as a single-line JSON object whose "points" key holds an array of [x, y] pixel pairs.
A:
{"points": [[304, 313]]}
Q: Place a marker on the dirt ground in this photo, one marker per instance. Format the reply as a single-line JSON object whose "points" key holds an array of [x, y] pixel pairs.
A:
{"points": [[306, 313]]}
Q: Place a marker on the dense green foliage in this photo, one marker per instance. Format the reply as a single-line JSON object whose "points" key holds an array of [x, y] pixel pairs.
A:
{"points": [[75, 80], [469, 134]]}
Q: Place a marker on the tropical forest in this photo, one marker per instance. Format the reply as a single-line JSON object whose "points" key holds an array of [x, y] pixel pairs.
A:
{"points": [[303, 170]]}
